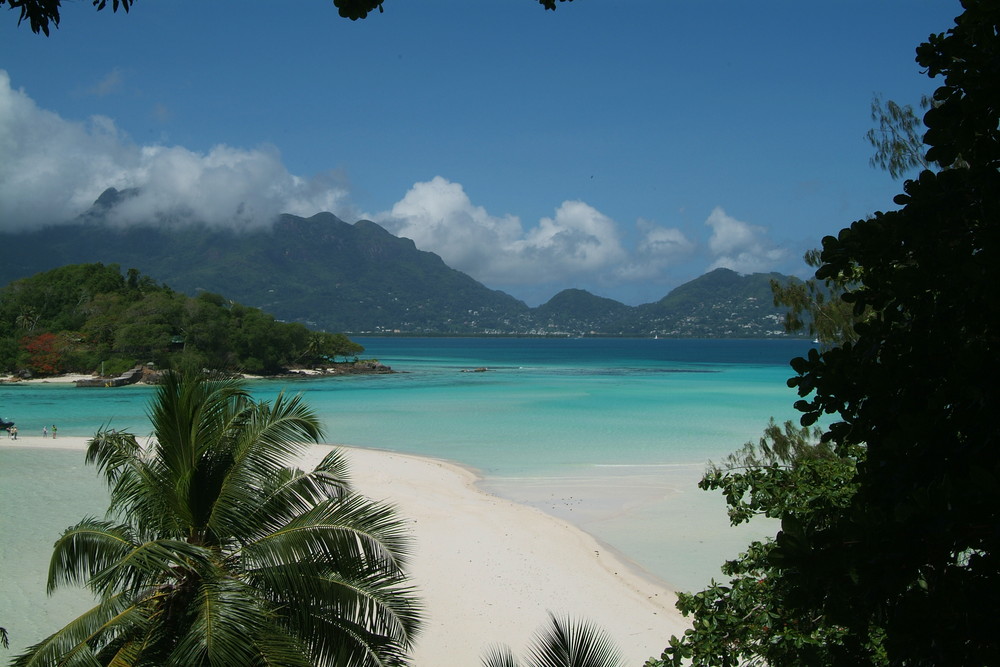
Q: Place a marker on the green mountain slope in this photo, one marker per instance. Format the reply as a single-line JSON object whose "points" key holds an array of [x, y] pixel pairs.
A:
{"points": [[579, 311], [359, 278], [319, 270], [720, 303]]}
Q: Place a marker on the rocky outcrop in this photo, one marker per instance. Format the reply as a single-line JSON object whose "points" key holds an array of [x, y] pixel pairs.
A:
{"points": [[129, 377]]}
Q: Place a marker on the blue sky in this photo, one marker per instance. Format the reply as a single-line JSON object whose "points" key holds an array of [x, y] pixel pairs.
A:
{"points": [[623, 147]]}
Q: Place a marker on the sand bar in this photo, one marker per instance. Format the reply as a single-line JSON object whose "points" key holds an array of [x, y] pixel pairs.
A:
{"points": [[489, 569]]}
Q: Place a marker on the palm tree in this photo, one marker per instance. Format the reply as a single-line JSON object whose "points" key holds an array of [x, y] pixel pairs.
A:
{"points": [[216, 551], [564, 643]]}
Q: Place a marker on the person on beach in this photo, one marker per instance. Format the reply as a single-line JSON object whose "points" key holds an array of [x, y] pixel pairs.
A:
{"points": [[13, 433], [45, 432], [53, 431]]}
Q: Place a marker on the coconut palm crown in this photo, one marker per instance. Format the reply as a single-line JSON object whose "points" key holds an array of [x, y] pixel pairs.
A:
{"points": [[564, 642], [216, 550]]}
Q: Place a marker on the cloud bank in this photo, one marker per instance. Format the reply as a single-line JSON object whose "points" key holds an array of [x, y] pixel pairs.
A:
{"points": [[741, 246], [54, 169], [576, 241]]}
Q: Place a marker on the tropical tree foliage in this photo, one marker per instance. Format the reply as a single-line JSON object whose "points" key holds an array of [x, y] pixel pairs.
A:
{"points": [[816, 305], [563, 643], [897, 136], [81, 317], [217, 550], [40, 14], [789, 474], [896, 561], [359, 9], [916, 388]]}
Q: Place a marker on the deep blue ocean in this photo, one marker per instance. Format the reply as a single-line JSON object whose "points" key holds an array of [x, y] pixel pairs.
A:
{"points": [[609, 434]]}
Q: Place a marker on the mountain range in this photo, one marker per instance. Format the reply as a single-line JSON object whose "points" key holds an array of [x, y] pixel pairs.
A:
{"points": [[359, 278]]}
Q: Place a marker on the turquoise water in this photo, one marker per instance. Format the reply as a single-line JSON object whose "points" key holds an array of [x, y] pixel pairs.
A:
{"points": [[544, 404], [610, 434]]}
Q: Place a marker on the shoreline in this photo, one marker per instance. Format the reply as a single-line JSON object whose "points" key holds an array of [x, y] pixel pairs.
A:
{"points": [[490, 569]]}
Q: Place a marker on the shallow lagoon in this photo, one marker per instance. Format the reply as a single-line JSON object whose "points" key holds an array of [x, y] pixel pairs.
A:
{"points": [[610, 434]]}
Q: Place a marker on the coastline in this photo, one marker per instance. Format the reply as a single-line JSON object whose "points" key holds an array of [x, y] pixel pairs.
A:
{"points": [[489, 569], [55, 379]]}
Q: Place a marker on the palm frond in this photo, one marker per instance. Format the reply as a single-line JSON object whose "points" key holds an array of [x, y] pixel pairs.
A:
{"points": [[563, 643], [278, 500], [74, 643], [87, 549], [259, 476], [323, 593], [138, 486], [568, 643], [153, 562], [114, 453], [224, 553], [500, 656], [275, 434], [339, 640], [191, 416], [351, 528], [232, 626]]}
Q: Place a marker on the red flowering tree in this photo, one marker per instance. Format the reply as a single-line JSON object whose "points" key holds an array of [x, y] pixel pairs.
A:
{"points": [[44, 353]]}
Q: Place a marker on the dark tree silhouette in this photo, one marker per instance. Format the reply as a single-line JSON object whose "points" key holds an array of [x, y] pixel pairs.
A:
{"points": [[41, 14]]}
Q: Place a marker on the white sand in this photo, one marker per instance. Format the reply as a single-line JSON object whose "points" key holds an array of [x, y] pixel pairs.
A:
{"points": [[57, 379], [489, 569]]}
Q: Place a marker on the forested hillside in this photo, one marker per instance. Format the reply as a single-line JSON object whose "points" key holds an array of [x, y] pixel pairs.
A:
{"points": [[359, 278], [87, 317]]}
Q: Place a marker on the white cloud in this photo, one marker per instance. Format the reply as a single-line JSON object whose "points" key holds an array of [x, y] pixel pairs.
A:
{"points": [[740, 246], [439, 216], [658, 249], [53, 170]]}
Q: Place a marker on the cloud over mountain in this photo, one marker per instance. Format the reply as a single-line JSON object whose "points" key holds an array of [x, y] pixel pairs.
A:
{"points": [[438, 215], [53, 169], [740, 246]]}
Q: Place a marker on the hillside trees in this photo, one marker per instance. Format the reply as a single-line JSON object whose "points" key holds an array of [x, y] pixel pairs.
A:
{"points": [[81, 317], [904, 566]]}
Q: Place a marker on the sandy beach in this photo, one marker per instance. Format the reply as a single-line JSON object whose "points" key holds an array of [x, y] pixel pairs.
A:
{"points": [[489, 570]]}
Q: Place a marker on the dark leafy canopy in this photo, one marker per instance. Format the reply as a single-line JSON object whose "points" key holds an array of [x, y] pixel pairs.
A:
{"points": [[359, 9], [217, 551], [888, 551], [81, 317], [40, 14], [917, 551], [816, 305], [790, 475]]}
